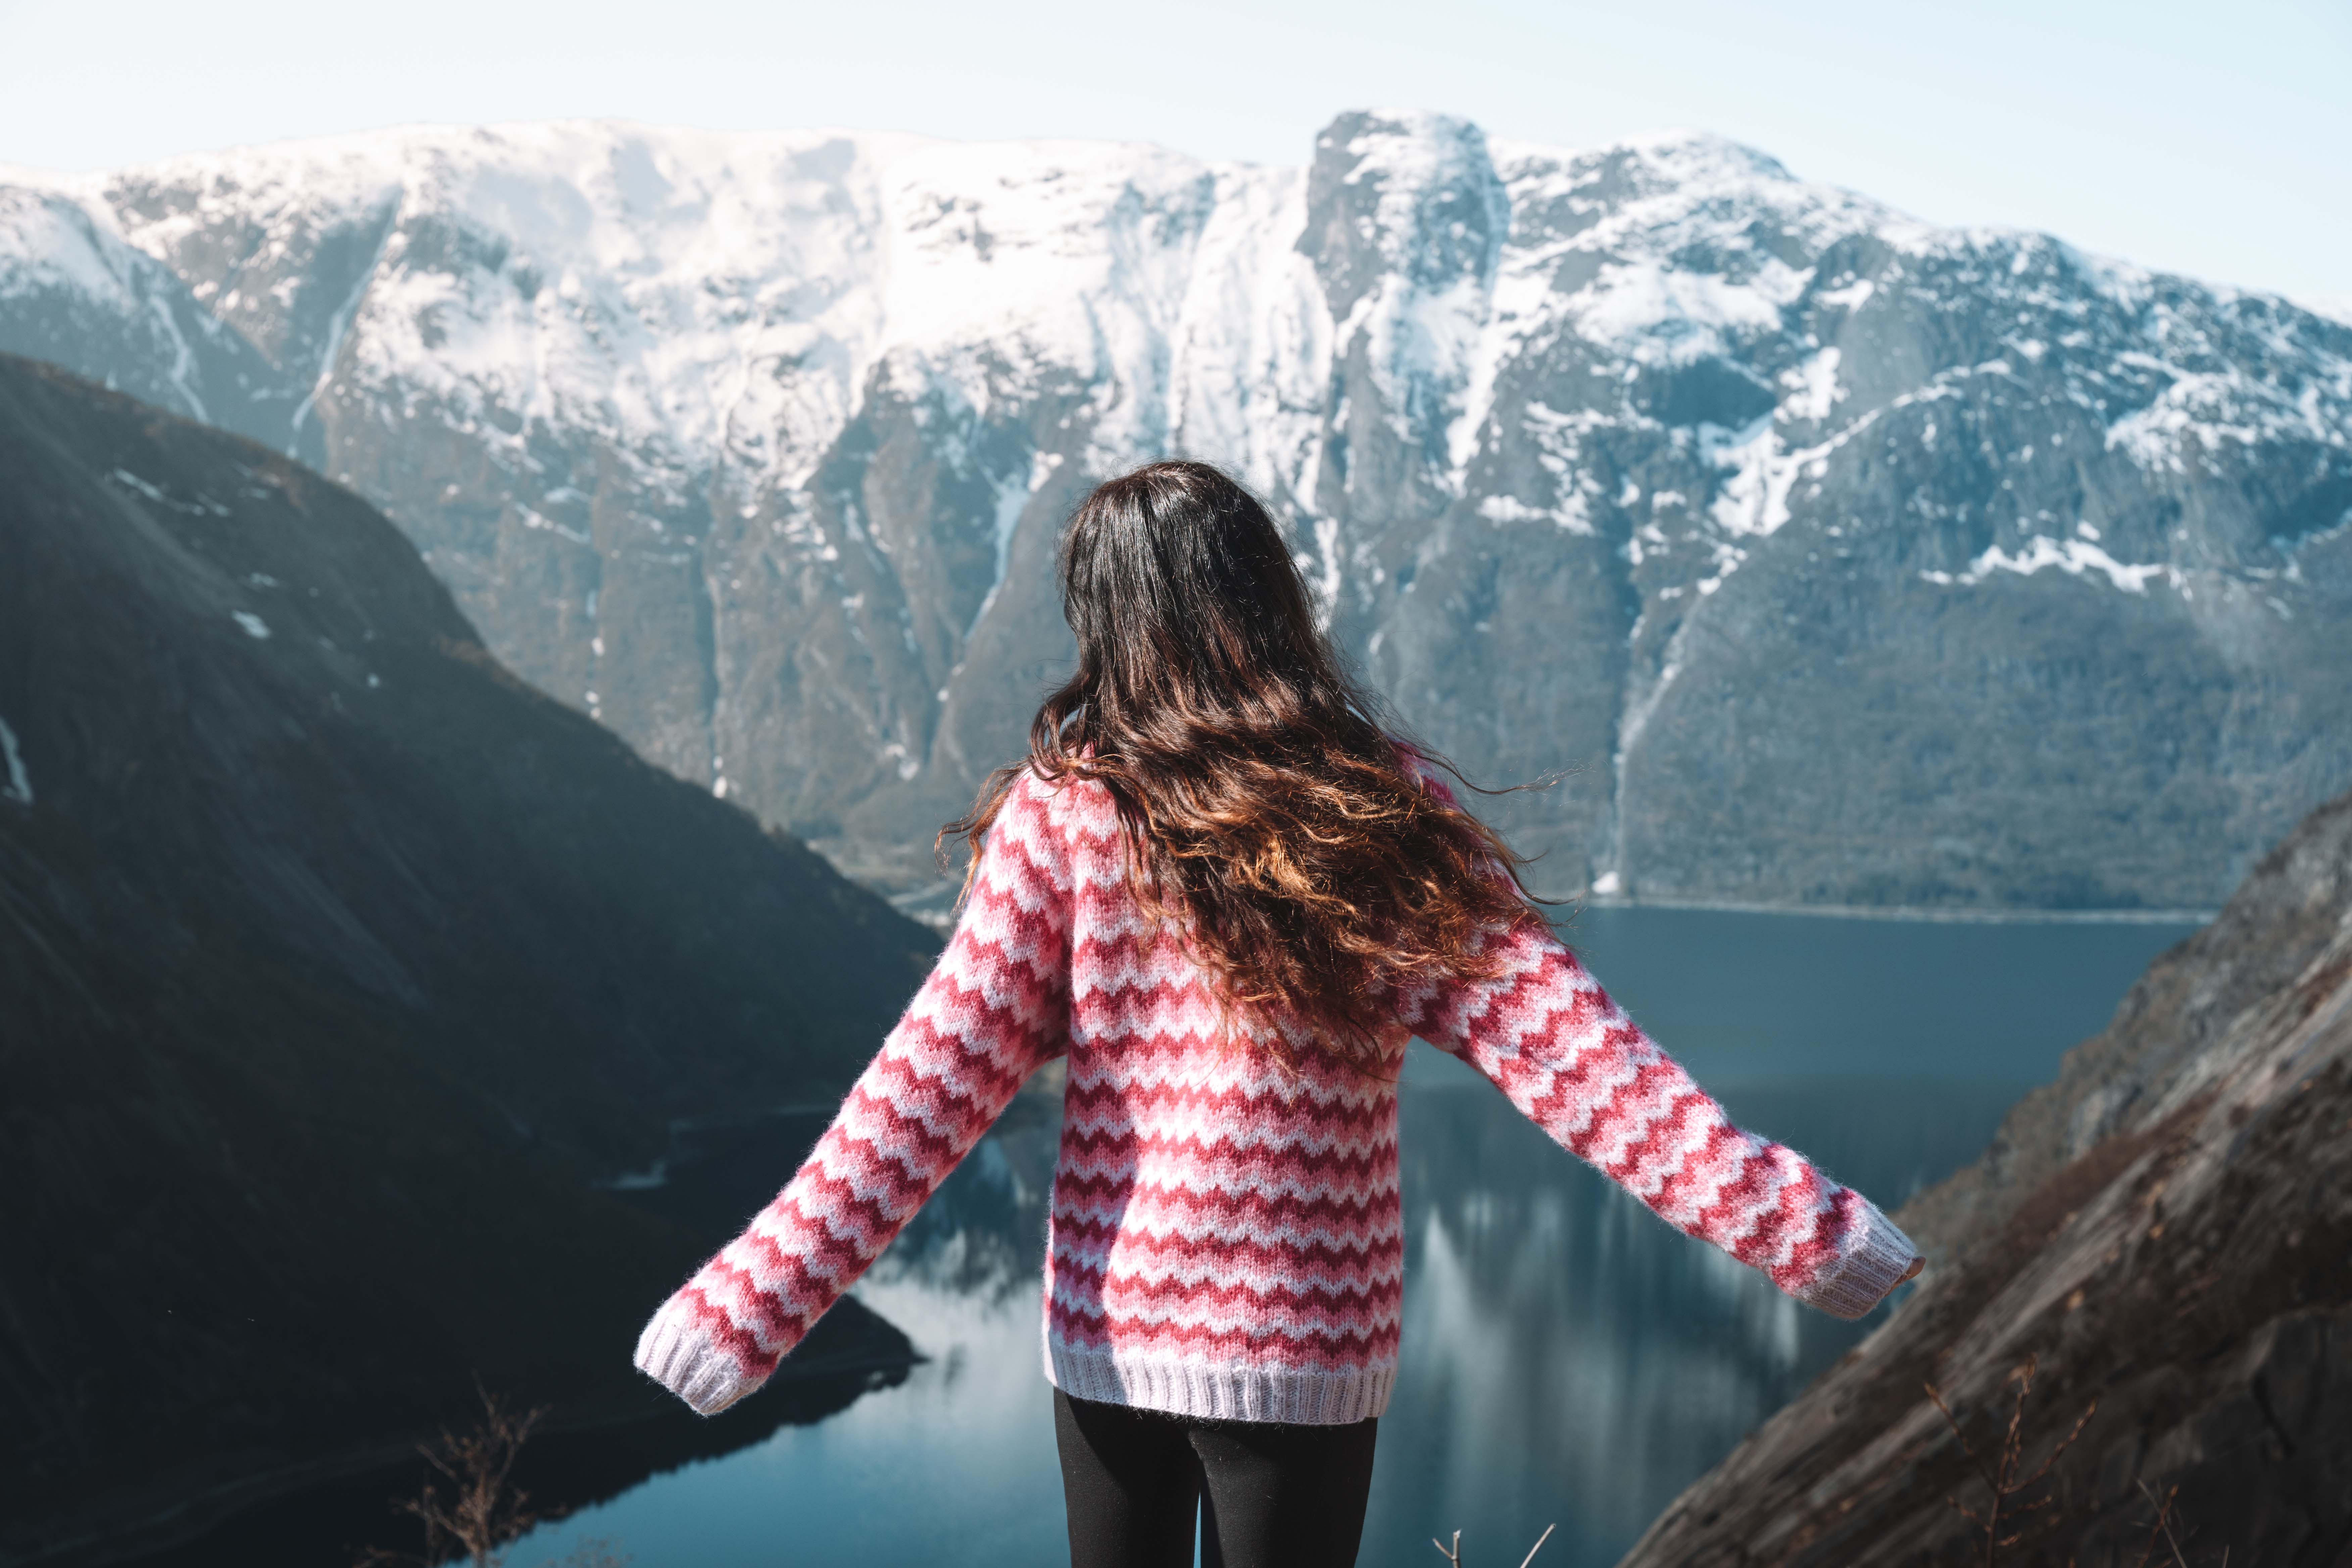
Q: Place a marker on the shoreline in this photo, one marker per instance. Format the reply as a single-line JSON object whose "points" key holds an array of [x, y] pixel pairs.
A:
{"points": [[939, 919], [1927, 914]]}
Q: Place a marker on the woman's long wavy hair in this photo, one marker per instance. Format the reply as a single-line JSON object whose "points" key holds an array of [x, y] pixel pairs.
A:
{"points": [[1266, 808]]}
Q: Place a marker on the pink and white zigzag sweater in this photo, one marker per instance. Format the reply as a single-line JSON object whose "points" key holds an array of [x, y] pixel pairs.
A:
{"points": [[1226, 1238]]}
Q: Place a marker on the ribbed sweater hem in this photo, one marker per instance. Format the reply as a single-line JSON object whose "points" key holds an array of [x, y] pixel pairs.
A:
{"points": [[1218, 1391]]}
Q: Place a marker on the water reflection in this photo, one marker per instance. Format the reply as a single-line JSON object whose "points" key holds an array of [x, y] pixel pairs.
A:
{"points": [[1566, 1357], [1569, 1358]]}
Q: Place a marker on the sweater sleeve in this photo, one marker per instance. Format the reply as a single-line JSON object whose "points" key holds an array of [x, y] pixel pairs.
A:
{"points": [[1546, 1034], [993, 1009]]}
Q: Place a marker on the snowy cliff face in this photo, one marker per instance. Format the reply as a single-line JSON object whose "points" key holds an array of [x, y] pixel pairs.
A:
{"points": [[1849, 560]]}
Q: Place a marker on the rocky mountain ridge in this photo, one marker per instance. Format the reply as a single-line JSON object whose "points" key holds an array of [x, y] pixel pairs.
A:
{"points": [[1852, 560], [2164, 1236]]}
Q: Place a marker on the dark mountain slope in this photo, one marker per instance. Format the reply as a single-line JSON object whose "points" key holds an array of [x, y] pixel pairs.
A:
{"points": [[338, 969], [2168, 1231]]}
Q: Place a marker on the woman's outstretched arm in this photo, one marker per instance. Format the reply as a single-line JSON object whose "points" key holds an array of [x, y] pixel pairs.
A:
{"points": [[1548, 1036], [994, 1009]]}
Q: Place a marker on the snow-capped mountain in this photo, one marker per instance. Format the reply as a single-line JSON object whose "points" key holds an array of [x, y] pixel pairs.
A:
{"points": [[1851, 560]]}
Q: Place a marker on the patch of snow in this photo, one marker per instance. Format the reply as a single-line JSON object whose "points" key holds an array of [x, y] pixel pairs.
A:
{"points": [[1327, 590], [1755, 498], [2075, 557], [1654, 314], [1570, 515], [1251, 349], [338, 324], [2202, 408], [183, 356], [1012, 494], [1850, 298], [1813, 387], [533, 519]]}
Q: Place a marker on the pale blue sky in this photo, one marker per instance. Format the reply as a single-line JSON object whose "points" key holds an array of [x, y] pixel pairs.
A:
{"points": [[2208, 139]]}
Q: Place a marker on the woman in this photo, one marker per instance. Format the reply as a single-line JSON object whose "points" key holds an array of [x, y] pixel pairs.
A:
{"points": [[1229, 897]]}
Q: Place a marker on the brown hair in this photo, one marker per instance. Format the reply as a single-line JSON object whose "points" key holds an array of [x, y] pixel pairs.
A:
{"points": [[1265, 807]]}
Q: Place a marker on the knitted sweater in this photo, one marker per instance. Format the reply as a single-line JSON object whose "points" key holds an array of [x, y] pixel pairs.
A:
{"points": [[1225, 1235]]}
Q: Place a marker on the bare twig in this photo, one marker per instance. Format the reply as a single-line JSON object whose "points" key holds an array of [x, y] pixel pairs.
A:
{"points": [[1454, 1554], [483, 1510], [2000, 1471], [2164, 1524], [2148, 1550], [1967, 1452]]}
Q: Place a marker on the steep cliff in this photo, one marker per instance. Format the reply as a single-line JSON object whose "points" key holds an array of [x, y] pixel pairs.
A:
{"points": [[341, 974], [2165, 1233], [1852, 560]]}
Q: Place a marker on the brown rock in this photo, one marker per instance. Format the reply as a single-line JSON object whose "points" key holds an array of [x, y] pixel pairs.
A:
{"points": [[2166, 1235]]}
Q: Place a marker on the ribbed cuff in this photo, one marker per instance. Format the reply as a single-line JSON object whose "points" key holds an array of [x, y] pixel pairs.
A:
{"points": [[676, 1352], [1875, 1261]]}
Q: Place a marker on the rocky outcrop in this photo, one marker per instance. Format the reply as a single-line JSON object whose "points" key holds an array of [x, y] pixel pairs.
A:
{"points": [[2164, 1236], [342, 976], [1851, 560]]}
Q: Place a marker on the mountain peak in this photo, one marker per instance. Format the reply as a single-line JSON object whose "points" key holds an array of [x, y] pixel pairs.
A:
{"points": [[754, 446], [1685, 148]]}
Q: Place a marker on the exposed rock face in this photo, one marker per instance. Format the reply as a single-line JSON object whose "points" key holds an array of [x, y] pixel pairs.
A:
{"points": [[2168, 1231], [1851, 560], [339, 969]]}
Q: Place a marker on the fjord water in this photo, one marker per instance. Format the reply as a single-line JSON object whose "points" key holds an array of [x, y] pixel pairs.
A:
{"points": [[1567, 1358]]}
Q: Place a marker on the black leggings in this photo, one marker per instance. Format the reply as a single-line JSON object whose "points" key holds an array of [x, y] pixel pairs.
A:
{"points": [[1269, 1495]]}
